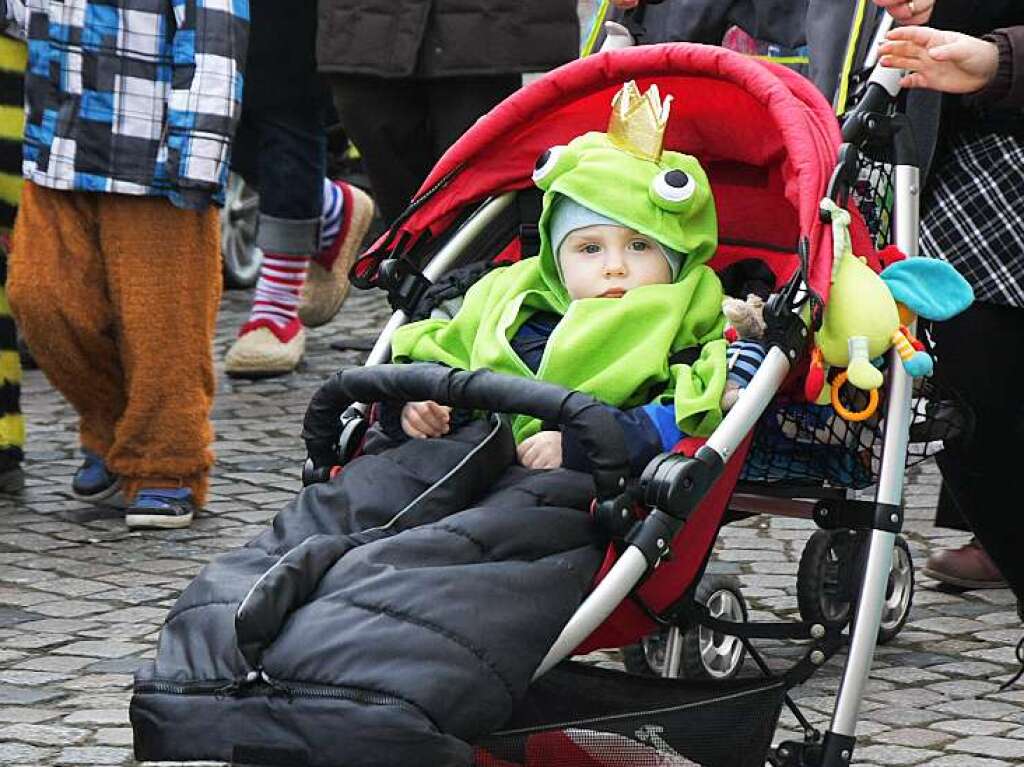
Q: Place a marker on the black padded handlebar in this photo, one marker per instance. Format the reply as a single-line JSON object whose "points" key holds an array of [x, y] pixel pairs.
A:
{"points": [[590, 420]]}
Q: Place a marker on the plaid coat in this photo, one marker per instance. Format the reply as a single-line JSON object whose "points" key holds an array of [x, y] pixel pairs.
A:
{"points": [[133, 97]]}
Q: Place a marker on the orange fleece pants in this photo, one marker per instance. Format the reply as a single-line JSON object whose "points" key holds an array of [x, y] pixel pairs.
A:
{"points": [[117, 297]]}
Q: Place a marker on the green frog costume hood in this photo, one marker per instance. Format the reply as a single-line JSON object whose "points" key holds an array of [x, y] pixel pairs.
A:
{"points": [[617, 349]]}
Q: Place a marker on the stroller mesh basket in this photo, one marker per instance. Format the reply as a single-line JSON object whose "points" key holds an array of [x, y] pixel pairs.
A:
{"points": [[802, 442], [873, 193], [611, 719]]}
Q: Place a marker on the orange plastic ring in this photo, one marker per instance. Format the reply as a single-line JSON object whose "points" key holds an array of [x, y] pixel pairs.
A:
{"points": [[849, 415]]}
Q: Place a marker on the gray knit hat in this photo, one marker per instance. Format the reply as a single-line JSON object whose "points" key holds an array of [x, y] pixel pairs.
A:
{"points": [[567, 216]]}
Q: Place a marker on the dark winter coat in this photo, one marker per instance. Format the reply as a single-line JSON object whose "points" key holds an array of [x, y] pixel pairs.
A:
{"points": [[368, 638], [443, 38], [978, 19], [1006, 91]]}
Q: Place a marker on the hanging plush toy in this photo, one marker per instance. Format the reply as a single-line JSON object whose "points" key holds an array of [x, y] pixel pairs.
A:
{"points": [[868, 313]]}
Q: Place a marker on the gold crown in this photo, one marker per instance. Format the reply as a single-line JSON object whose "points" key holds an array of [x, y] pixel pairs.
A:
{"points": [[637, 125]]}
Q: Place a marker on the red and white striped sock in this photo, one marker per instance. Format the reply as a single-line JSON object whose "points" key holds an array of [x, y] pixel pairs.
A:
{"points": [[276, 302]]}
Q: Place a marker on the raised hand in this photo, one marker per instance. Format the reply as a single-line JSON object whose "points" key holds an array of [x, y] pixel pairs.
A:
{"points": [[950, 62]]}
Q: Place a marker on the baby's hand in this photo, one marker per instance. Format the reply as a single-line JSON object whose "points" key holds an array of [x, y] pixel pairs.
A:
{"points": [[426, 419], [541, 451]]}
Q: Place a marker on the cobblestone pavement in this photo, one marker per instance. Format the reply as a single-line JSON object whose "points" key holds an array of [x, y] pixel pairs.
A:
{"points": [[82, 599]]}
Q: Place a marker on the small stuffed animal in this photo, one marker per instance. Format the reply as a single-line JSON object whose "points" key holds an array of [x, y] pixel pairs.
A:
{"points": [[745, 354], [745, 318]]}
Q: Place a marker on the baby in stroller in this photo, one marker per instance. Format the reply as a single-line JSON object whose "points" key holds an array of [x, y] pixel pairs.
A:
{"points": [[368, 605], [619, 303]]}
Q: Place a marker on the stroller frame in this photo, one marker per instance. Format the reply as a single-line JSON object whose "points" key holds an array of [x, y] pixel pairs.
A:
{"points": [[869, 120]]}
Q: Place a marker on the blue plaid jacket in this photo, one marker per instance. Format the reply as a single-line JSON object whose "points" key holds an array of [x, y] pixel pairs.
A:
{"points": [[132, 96]]}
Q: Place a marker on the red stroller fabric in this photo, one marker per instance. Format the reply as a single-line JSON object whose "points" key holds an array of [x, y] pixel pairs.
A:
{"points": [[766, 136]]}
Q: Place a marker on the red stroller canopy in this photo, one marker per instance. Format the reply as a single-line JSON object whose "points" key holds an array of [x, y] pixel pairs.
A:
{"points": [[765, 135]]}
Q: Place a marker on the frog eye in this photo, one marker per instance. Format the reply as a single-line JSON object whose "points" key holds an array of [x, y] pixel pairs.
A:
{"points": [[546, 164], [671, 189]]}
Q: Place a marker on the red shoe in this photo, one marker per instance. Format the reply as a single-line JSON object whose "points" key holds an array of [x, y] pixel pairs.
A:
{"points": [[327, 280], [968, 567], [264, 349]]}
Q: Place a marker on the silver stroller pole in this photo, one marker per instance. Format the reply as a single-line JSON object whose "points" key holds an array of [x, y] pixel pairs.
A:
{"points": [[439, 264], [839, 741]]}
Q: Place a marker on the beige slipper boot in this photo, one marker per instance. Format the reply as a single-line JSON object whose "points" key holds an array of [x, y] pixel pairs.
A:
{"points": [[261, 354], [325, 289]]}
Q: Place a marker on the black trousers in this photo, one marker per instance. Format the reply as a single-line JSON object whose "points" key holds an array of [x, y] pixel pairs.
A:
{"points": [[403, 126], [980, 353]]}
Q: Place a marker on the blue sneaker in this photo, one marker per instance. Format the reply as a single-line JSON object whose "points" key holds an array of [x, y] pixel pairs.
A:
{"points": [[93, 483], [161, 508]]}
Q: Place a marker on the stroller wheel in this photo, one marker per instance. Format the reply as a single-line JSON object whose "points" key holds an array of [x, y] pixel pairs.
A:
{"points": [[828, 581], [704, 654], [241, 258], [899, 593], [709, 654]]}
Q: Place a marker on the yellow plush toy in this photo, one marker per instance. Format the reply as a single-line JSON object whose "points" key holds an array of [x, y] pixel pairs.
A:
{"points": [[868, 313]]}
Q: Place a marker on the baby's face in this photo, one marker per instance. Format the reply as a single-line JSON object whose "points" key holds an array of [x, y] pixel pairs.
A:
{"points": [[606, 261]]}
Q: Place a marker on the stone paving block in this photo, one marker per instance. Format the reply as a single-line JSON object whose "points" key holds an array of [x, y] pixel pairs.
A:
{"points": [[29, 715], [101, 649], [963, 760], [907, 675], [93, 755], [973, 727], [15, 753], [988, 745], [913, 737], [30, 678], [114, 736], [69, 608], [54, 663], [963, 688], [895, 755], [978, 669], [103, 716], [21, 597], [99, 682], [908, 697], [13, 695], [1005, 655], [976, 709], [43, 734], [905, 717], [947, 625]]}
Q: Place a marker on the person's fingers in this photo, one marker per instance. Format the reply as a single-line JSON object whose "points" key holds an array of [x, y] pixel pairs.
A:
{"points": [[953, 51], [901, 62], [905, 48], [438, 416], [523, 452], [922, 36], [913, 80], [411, 430], [442, 411]]}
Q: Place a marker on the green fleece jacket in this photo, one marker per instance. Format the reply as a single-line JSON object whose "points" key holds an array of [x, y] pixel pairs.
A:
{"points": [[616, 349]]}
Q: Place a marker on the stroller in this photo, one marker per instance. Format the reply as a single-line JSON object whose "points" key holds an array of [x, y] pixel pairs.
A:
{"points": [[769, 142]]}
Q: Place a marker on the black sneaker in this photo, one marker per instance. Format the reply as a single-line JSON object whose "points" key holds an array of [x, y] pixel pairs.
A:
{"points": [[12, 480], [93, 483], [161, 508]]}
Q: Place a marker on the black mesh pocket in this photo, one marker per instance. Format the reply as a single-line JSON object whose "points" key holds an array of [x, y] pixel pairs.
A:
{"points": [[580, 716], [799, 442]]}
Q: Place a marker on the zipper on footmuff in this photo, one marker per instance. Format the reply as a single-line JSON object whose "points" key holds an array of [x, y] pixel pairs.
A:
{"points": [[256, 682]]}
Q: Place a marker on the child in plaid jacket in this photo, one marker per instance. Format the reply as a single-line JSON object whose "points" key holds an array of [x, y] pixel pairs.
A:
{"points": [[114, 274]]}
